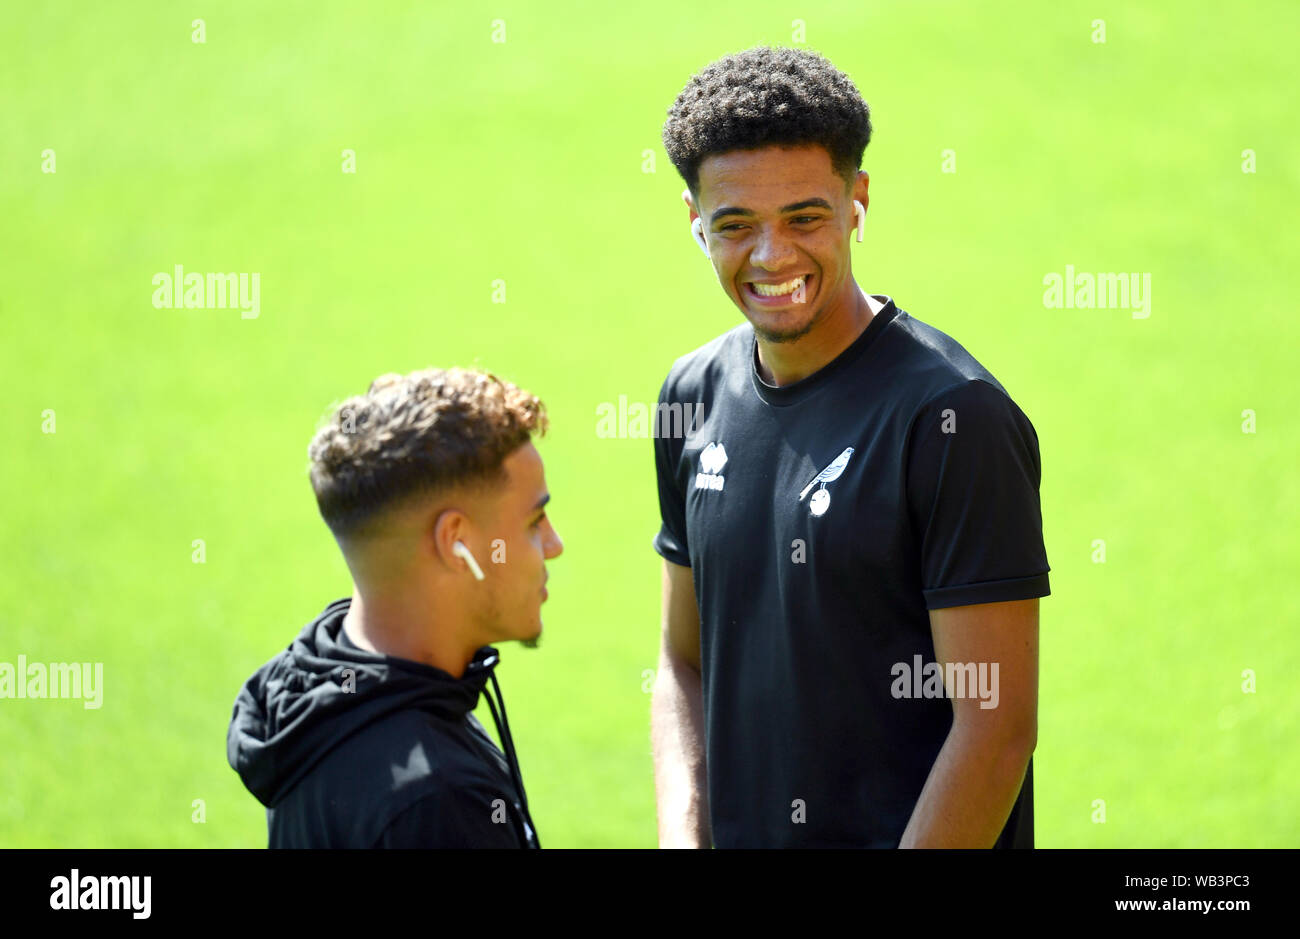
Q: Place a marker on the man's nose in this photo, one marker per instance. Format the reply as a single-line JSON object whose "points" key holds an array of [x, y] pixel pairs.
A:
{"points": [[554, 546], [773, 251]]}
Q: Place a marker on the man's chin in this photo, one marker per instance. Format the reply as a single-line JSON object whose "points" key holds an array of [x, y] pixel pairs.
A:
{"points": [[533, 641], [782, 337], [777, 336]]}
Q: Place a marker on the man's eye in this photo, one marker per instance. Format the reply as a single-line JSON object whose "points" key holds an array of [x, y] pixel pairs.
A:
{"points": [[808, 218], [540, 518], [731, 226]]}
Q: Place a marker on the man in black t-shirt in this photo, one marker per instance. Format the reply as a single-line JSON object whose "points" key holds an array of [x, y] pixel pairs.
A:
{"points": [[851, 531]]}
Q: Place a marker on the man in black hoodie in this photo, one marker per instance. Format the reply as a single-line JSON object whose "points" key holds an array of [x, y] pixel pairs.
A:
{"points": [[361, 733]]}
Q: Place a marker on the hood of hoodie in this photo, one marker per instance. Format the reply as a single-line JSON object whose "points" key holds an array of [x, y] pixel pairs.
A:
{"points": [[318, 692]]}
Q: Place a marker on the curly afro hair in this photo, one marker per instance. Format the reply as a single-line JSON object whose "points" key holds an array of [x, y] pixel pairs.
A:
{"points": [[767, 96]]}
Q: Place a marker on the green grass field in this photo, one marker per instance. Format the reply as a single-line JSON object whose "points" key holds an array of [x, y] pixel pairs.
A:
{"points": [[524, 161]]}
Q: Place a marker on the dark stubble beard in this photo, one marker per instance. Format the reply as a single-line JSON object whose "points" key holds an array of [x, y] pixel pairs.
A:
{"points": [[789, 335]]}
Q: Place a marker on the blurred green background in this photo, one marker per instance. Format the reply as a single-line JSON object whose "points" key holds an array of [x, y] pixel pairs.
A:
{"points": [[525, 161]]}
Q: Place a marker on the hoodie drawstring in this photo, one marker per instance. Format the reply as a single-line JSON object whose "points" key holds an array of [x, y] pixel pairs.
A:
{"points": [[508, 744]]}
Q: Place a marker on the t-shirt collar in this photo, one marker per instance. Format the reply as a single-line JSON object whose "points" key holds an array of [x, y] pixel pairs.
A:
{"points": [[885, 311]]}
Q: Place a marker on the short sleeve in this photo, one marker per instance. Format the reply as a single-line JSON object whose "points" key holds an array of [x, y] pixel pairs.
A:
{"points": [[452, 818], [973, 474], [670, 542]]}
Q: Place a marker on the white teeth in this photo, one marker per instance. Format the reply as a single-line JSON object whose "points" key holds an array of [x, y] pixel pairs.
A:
{"points": [[777, 290]]}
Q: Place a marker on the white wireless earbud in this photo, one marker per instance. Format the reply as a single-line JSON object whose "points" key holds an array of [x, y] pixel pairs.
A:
{"points": [[461, 551], [860, 214], [697, 229]]}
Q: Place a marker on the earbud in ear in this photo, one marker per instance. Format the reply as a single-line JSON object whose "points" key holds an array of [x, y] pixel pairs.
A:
{"points": [[697, 229], [461, 551], [860, 214]]}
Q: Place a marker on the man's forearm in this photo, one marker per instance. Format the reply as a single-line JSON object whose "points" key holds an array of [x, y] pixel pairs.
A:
{"points": [[969, 793], [677, 737]]}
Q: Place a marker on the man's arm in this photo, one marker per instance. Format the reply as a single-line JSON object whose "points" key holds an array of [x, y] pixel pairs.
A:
{"points": [[677, 719], [973, 785]]}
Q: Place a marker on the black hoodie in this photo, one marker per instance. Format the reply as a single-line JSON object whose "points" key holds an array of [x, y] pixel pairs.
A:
{"points": [[350, 749]]}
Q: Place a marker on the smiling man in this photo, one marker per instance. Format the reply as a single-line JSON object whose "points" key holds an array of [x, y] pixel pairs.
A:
{"points": [[857, 516], [362, 734]]}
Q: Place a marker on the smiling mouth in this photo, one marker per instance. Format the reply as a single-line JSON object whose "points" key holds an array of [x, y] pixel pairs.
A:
{"points": [[776, 291]]}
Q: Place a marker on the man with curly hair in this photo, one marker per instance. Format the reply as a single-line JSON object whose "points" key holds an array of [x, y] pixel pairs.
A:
{"points": [[362, 734], [852, 537]]}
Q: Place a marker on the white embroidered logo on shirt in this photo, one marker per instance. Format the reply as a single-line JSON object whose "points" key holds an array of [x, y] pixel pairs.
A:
{"points": [[821, 500], [712, 459]]}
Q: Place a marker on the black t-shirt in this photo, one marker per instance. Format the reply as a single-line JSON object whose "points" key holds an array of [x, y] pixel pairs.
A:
{"points": [[821, 521]]}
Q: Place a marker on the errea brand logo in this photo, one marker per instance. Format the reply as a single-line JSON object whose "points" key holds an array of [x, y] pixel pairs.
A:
{"points": [[712, 459]]}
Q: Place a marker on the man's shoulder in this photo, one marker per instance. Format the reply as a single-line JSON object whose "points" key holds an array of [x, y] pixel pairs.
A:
{"points": [[922, 362], [409, 750], [432, 787], [698, 371], [926, 362], [402, 760]]}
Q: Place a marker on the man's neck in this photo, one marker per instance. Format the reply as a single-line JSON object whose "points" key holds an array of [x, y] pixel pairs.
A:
{"points": [[394, 628], [784, 363]]}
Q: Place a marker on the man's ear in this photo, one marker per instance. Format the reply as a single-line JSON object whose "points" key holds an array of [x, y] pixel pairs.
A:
{"points": [[860, 188], [690, 204], [450, 526]]}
